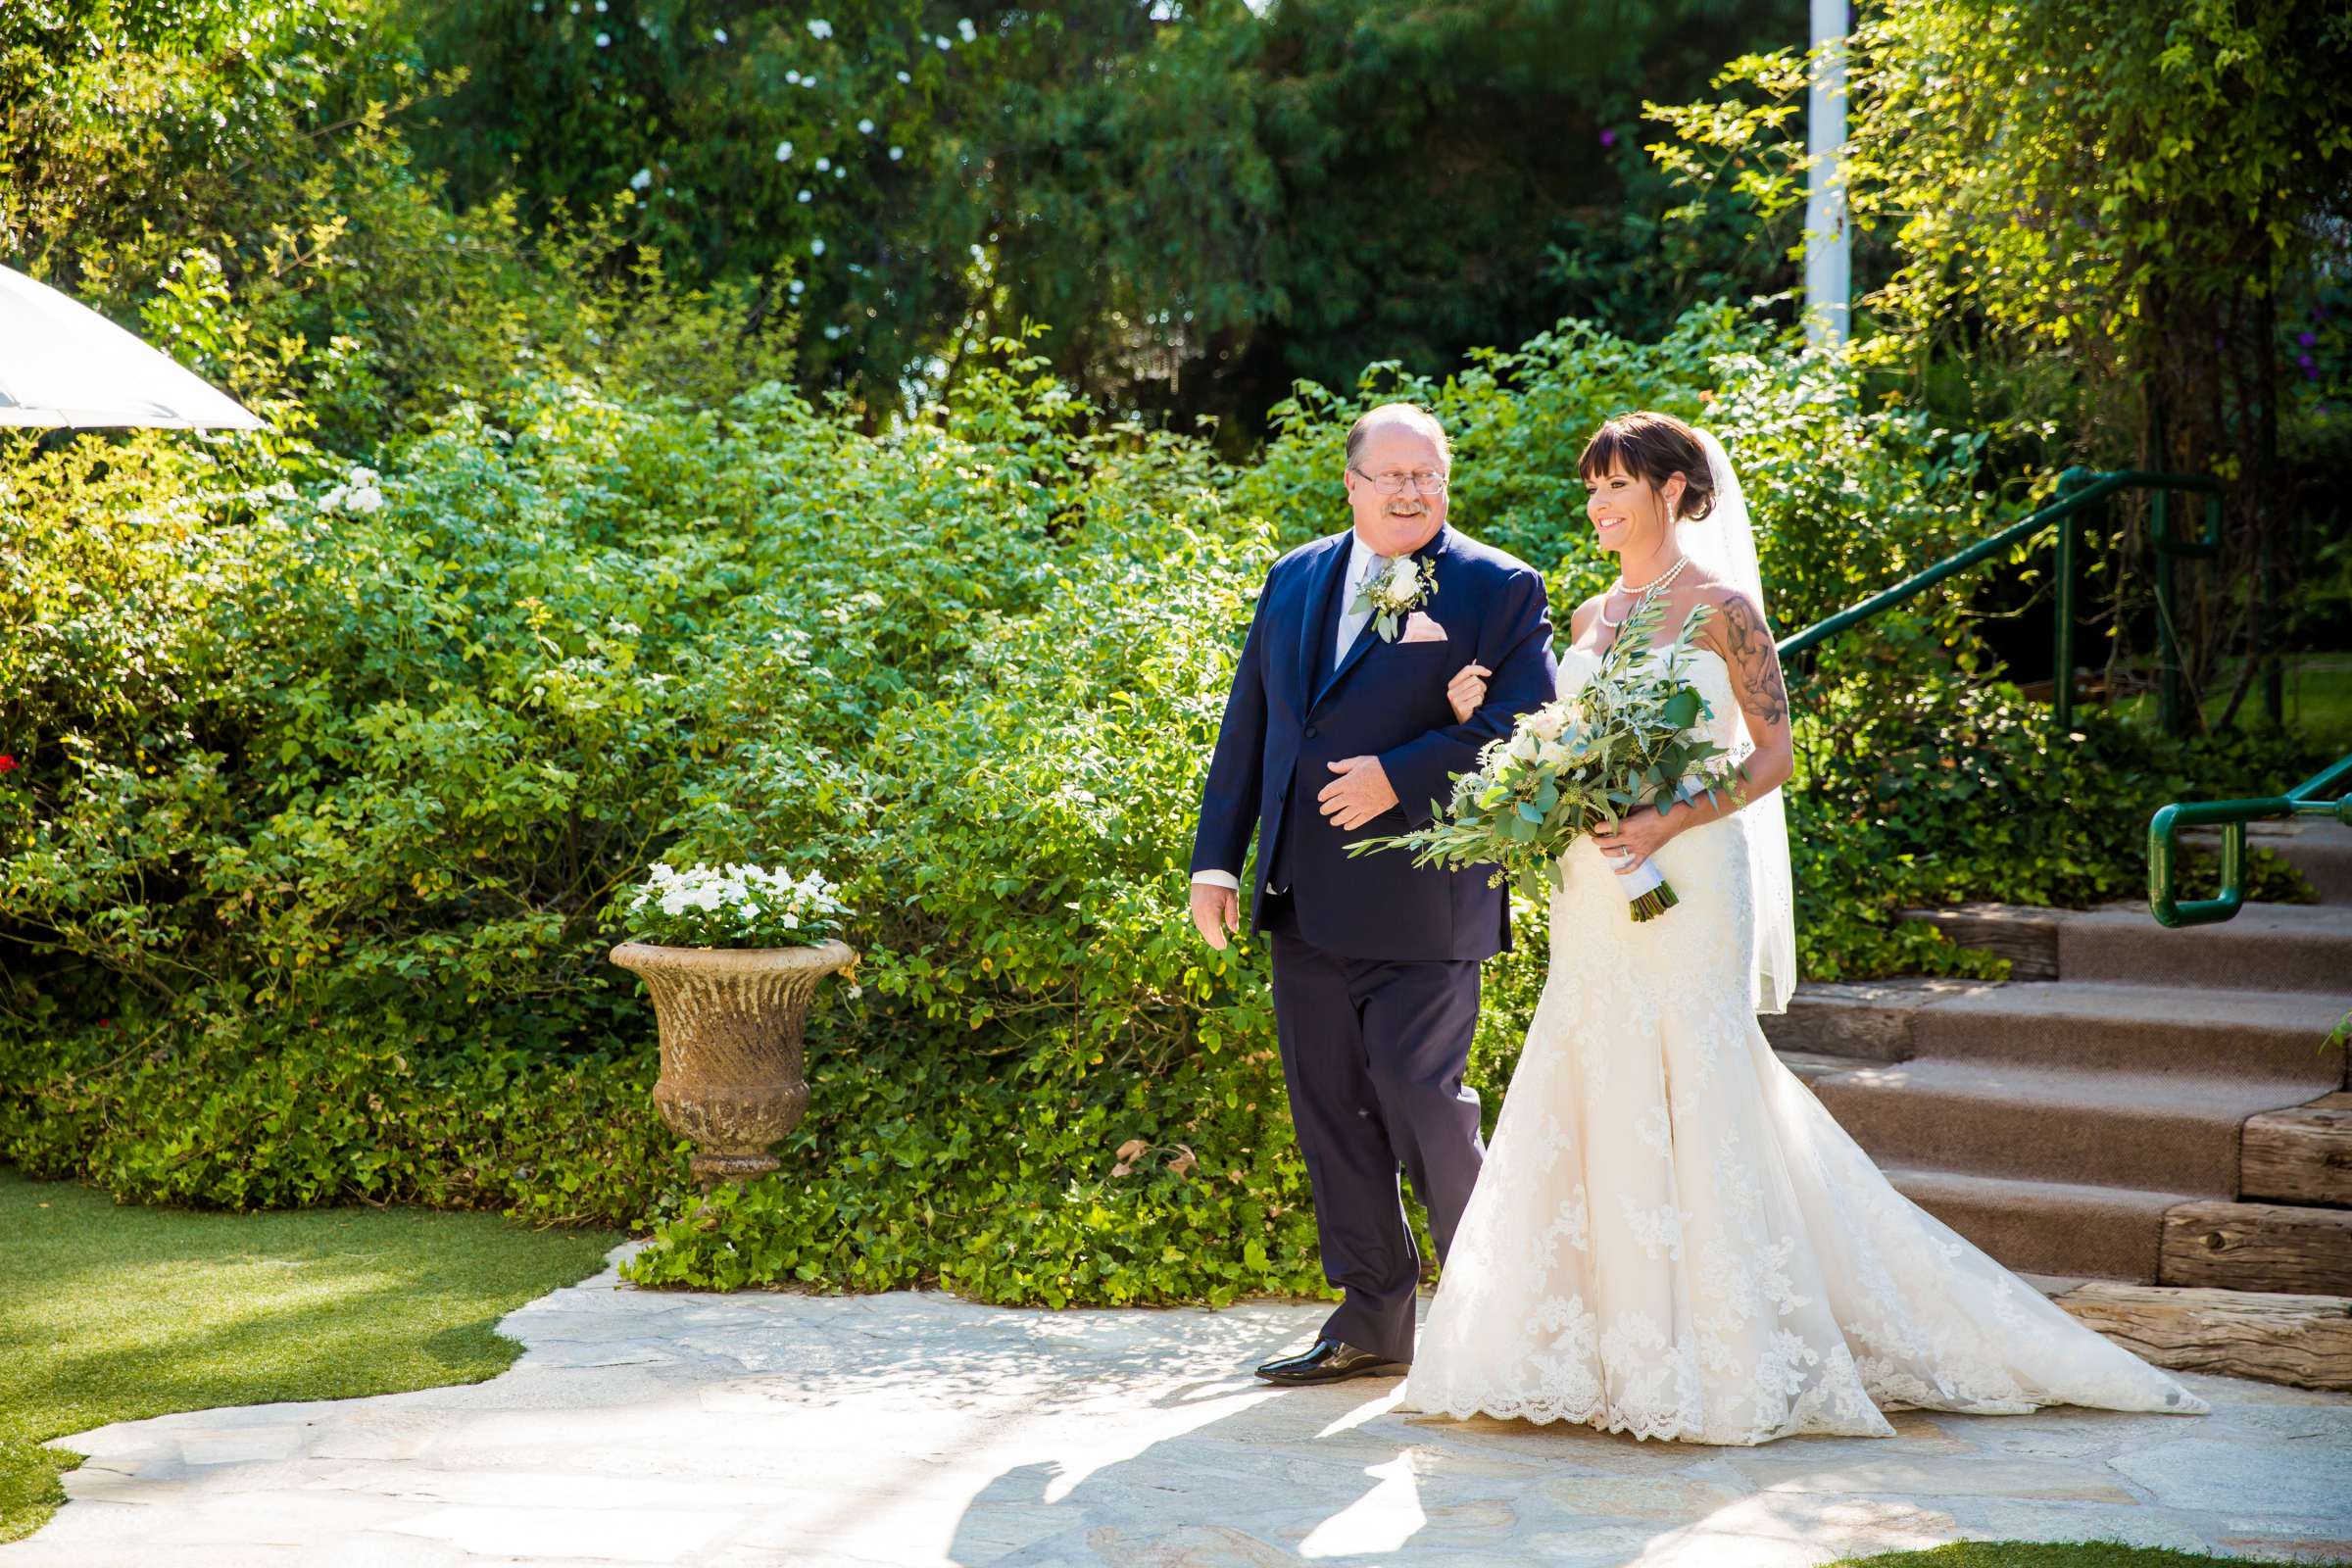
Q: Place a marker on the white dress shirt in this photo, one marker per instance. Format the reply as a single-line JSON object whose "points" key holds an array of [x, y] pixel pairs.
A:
{"points": [[1362, 562]]}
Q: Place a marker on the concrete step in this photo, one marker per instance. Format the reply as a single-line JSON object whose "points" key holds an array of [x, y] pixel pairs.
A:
{"points": [[2267, 947], [2279, 1038], [2158, 1132], [2047, 1227]]}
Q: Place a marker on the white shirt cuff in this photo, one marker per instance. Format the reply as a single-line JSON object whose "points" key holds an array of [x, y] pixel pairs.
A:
{"points": [[1217, 879]]}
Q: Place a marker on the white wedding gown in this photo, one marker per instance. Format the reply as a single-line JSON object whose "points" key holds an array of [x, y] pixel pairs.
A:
{"points": [[1673, 1238]]}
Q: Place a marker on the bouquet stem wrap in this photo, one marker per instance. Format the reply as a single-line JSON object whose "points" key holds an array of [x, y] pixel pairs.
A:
{"points": [[1647, 891]]}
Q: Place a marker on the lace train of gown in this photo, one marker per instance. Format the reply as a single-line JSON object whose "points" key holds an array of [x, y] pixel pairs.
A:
{"points": [[1673, 1238]]}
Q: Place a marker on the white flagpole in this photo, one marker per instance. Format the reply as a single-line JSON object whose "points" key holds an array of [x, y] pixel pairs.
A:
{"points": [[1828, 277]]}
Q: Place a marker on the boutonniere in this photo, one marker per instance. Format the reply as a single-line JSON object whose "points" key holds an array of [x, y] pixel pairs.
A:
{"points": [[1404, 588]]}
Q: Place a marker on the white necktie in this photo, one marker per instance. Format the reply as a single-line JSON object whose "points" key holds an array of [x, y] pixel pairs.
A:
{"points": [[1352, 619]]}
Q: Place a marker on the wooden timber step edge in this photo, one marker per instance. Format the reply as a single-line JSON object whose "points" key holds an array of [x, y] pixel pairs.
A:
{"points": [[2302, 1155], [2257, 1246], [2028, 938], [2302, 1340]]}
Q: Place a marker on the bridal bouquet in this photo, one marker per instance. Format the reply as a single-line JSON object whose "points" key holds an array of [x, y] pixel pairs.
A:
{"points": [[1624, 742]]}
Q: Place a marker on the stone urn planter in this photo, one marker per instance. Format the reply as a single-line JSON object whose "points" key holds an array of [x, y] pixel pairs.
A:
{"points": [[731, 1018]]}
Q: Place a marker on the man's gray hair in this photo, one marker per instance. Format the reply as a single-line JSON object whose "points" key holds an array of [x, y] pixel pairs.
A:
{"points": [[1411, 413]]}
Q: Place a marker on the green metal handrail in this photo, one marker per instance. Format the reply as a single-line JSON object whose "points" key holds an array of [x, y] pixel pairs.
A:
{"points": [[2324, 794], [2077, 489]]}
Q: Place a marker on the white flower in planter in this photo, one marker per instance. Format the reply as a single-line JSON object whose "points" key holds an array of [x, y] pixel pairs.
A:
{"points": [[734, 906]]}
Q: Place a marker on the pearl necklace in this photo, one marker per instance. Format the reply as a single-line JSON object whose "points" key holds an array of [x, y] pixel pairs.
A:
{"points": [[1652, 590]]}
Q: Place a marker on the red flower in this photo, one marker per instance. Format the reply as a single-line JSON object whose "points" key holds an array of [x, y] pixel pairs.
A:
{"points": [[8, 763]]}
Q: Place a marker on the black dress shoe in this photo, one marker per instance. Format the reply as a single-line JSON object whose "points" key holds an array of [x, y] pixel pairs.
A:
{"points": [[1332, 1362]]}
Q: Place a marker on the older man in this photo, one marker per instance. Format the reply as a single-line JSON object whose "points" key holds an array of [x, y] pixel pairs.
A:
{"points": [[1338, 728]]}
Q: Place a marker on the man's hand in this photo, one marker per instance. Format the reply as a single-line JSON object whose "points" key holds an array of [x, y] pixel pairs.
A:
{"points": [[1359, 794], [1216, 912]]}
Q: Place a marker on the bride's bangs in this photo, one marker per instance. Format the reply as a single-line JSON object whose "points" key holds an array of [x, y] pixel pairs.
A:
{"points": [[1652, 448], [1606, 451]]}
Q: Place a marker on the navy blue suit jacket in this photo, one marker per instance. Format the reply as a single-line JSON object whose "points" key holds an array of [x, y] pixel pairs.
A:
{"points": [[1293, 712]]}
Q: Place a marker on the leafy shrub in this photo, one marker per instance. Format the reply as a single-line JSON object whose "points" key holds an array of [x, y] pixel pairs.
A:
{"points": [[331, 815], [289, 1112]]}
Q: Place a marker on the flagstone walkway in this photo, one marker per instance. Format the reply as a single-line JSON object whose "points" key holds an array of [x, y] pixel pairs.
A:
{"points": [[762, 1429]]}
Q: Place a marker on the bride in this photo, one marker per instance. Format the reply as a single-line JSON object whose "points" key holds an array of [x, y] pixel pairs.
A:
{"points": [[1671, 1236]]}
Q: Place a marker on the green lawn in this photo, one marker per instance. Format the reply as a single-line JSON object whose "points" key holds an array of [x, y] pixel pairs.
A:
{"points": [[112, 1313], [2318, 694], [2044, 1555]]}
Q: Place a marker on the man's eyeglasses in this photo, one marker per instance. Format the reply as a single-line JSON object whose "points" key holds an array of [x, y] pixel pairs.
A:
{"points": [[1389, 484]]}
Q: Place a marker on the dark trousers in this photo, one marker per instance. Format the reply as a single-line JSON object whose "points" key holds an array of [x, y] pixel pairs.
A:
{"points": [[1373, 1052]]}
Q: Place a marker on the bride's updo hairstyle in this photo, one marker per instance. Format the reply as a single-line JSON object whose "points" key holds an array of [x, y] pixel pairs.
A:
{"points": [[1654, 447]]}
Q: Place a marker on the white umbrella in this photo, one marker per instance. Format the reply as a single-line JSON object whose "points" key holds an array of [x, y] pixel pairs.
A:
{"points": [[62, 362]]}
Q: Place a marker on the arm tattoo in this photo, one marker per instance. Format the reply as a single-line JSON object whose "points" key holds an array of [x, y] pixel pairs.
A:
{"points": [[1756, 661]]}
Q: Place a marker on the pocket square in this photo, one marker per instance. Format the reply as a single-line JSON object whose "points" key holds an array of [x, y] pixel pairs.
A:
{"points": [[1419, 628]]}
